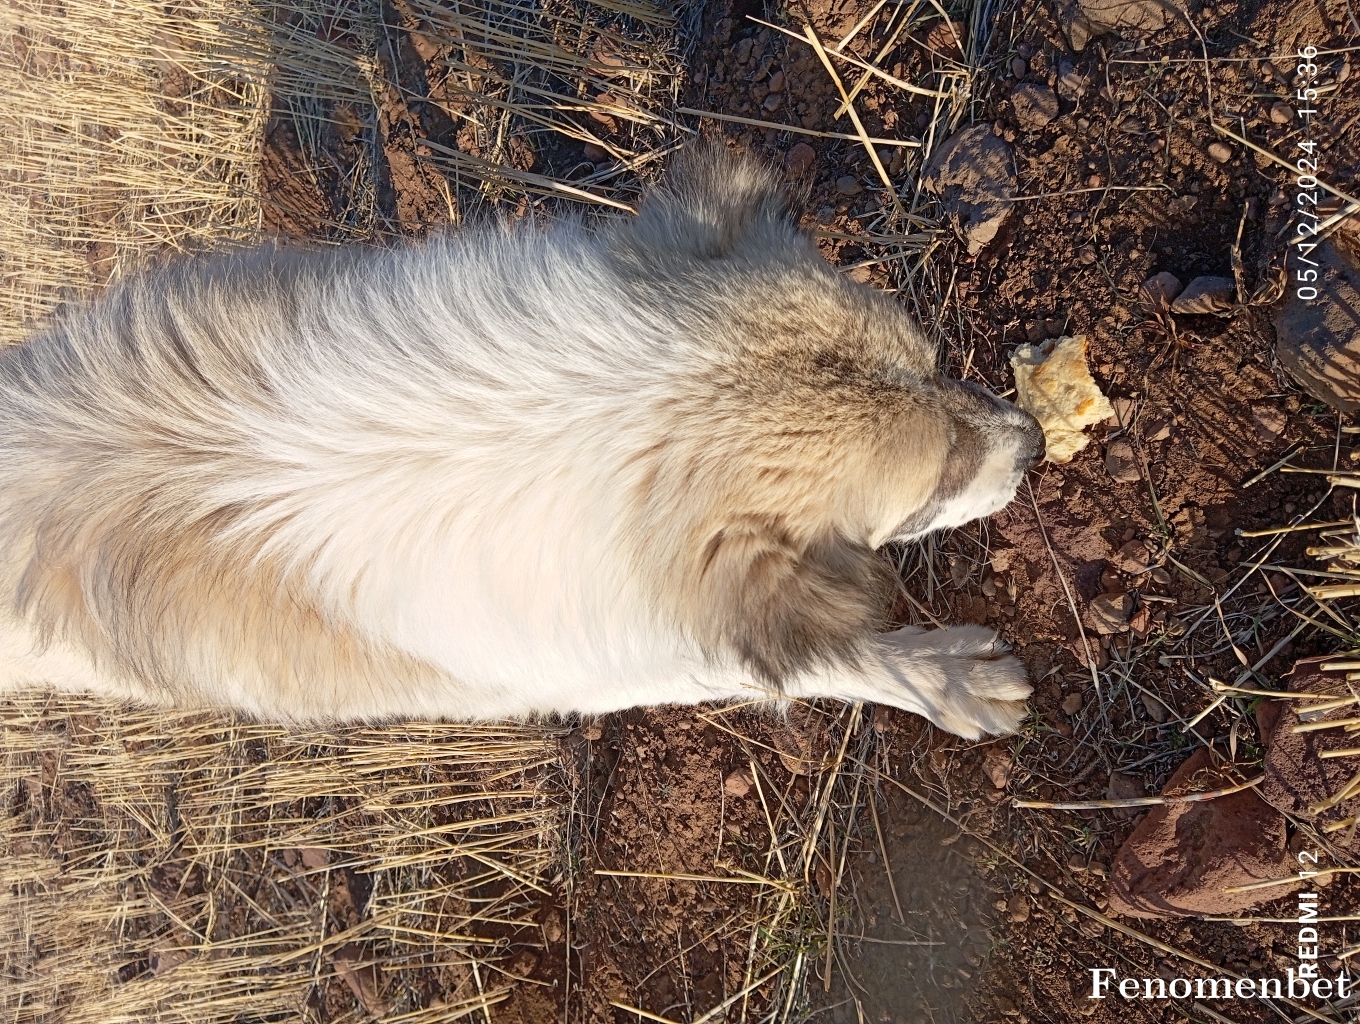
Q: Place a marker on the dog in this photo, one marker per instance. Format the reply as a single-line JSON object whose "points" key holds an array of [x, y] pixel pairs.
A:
{"points": [[506, 472]]}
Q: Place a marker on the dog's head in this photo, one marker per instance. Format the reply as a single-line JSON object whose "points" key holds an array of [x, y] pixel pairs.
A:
{"points": [[992, 444], [809, 425]]}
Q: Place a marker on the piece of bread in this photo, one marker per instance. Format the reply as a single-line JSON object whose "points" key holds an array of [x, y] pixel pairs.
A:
{"points": [[1054, 386]]}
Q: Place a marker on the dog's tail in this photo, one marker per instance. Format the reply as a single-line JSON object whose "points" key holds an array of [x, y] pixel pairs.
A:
{"points": [[713, 200]]}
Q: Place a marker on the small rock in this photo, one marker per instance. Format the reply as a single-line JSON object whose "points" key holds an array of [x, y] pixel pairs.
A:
{"points": [[1131, 557], [1318, 341], [1159, 291], [800, 159], [1141, 621], [1110, 581], [944, 38], [1297, 778], [1078, 31], [1129, 18], [1220, 152], [1206, 295], [1124, 787], [1072, 85], [776, 83], [314, 858], [1019, 67], [973, 174], [1072, 704], [1156, 710], [1270, 420], [1181, 857], [997, 765], [1110, 613], [592, 732], [595, 154], [738, 784], [772, 102], [1121, 462], [1157, 427], [1086, 255], [1017, 908], [1282, 113], [361, 977], [1034, 105], [849, 185]]}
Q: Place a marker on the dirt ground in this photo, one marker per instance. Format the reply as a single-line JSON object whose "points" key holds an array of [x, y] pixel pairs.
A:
{"points": [[930, 923]]}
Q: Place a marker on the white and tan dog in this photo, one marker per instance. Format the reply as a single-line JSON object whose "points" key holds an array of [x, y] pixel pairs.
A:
{"points": [[502, 473]]}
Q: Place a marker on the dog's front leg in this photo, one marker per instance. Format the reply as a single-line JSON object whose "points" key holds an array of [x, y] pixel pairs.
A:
{"points": [[964, 679]]}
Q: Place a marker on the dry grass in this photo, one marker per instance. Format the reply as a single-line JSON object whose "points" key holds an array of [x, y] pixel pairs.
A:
{"points": [[521, 79], [127, 128], [167, 866]]}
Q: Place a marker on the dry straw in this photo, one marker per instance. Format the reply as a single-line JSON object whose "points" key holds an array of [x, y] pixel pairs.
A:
{"points": [[169, 866], [128, 127]]}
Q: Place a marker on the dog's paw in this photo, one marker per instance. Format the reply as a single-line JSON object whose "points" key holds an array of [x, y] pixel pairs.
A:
{"points": [[964, 679]]}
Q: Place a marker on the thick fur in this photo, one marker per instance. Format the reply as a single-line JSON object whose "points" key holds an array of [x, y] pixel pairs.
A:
{"points": [[501, 473]]}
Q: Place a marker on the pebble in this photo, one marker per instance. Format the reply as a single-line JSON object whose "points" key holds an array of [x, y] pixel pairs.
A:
{"points": [[1132, 557], [1034, 105], [773, 102], [1071, 85], [592, 732], [738, 784], [1155, 708], [1282, 113], [777, 82], [849, 185], [1206, 294], [1110, 613], [1017, 908], [1086, 19], [973, 174], [1072, 704], [1160, 290], [1220, 152], [1019, 67], [595, 154], [1086, 255], [800, 159], [1121, 462]]}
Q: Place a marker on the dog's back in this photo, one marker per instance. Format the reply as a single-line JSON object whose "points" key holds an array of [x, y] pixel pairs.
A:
{"points": [[503, 472]]}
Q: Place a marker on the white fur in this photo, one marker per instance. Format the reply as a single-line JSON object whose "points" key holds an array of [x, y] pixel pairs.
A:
{"points": [[441, 447]]}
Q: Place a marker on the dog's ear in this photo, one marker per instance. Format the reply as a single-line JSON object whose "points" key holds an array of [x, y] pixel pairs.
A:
{"points": [[711, 201], [783, 607]]}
